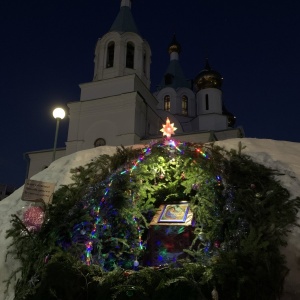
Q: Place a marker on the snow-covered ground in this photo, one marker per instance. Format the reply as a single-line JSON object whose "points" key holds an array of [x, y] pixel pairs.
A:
{"points": [[279, 155]]}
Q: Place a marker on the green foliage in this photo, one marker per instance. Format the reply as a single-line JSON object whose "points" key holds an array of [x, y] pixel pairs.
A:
{"points": [[242, 215]]}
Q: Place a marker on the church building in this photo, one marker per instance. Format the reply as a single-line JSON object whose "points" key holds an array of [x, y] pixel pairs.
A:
{"points": [[117, 107]]}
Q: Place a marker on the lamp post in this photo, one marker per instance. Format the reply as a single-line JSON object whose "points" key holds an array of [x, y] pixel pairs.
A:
{"points": [[58, 114]]}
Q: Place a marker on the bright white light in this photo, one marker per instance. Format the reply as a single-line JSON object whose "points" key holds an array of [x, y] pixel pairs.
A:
{"points": [[59, 113]]}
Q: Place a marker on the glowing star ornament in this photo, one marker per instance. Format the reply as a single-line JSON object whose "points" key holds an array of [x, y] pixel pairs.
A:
{"points": [[168, 129]]}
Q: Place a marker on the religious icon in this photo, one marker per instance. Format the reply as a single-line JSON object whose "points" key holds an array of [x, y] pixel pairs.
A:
{"points": [[174, 213]]}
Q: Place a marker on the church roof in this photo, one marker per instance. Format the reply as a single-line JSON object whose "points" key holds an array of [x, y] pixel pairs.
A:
{"points": [[208, 78], [124, 21], [174, 77]]}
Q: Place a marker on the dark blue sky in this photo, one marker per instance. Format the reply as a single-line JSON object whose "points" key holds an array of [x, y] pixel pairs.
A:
{"points": [[47, 49]]}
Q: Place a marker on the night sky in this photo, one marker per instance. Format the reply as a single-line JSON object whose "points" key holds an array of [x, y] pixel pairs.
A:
{"points": [[47, 50]]}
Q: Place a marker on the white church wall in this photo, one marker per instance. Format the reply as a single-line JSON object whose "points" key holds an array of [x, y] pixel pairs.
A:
{"points": [[141, 117], [105, 129], [111, 118], [160, 96], [106, 88], [214, 101], [40, 160], [142, 89], [210, 122], [191, 101]]}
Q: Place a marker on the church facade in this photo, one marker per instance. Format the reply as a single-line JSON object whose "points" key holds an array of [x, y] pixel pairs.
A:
{"points": [[117, 108]]}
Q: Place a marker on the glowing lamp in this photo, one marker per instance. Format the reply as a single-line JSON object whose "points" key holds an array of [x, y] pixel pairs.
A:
{"points": [[59, 113]]}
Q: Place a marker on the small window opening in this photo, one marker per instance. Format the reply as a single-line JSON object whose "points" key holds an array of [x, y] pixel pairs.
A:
{"points": [[110, 55], [130, 56], [206, 102], [167, 103], [185, 105]]}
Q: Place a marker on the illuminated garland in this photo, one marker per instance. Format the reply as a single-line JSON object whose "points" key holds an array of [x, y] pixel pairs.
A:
{"points": [[241, 214], [168, 145]]}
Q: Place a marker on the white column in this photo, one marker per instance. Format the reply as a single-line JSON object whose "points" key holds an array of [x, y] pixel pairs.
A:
{"points": [[174, 56], [126, 3]]}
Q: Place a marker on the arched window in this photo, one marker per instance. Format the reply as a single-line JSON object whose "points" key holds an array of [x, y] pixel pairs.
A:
{"points": [[110, 55], [206, 102], [167, 103], [130, 55], [99, 142], [185, 105]]}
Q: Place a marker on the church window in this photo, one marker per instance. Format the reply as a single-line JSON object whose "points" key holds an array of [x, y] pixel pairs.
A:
{"points": [[168, 79], [167, 103], [110, 55], [206, 102], [184, 105], [130, 55], [99, 142]]}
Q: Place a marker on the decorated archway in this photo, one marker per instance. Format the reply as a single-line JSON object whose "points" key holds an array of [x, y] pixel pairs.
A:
{"points": [[229, 213]]}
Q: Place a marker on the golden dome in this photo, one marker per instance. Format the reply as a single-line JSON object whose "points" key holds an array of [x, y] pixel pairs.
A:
{"points": [[174, 46], [208, 78]]}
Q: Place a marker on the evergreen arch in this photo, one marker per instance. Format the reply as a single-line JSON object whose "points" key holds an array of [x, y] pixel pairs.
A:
{"points": [[96, 228]]}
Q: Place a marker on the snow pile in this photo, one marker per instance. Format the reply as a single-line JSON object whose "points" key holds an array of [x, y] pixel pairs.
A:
{"points": [[279, 155], [59, 173]]}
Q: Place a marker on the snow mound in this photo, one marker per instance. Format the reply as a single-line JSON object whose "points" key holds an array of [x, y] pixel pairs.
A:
{"points": [[279, 155]]}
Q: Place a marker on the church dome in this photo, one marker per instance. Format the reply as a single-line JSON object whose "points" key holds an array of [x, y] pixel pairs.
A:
{"points": [[174, 46], [208, 78]]}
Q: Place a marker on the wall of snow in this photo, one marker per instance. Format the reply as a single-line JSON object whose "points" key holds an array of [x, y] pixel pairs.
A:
{"points": [[279, 155], [59, 173], [284, 157]]}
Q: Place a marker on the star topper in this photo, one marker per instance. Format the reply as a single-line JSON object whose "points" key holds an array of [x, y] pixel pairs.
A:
{"points": [[168, 129]]}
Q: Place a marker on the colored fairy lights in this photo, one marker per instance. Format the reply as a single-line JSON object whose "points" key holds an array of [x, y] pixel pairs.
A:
{"points": [[174, 144], [89, 248], [140, 242], [201, 152], [136, 163], [98, 225]]}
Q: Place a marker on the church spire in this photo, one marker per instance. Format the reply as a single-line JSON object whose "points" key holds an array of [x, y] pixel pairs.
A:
{"points": [[174, 76], [124, 21], [174, 49]]}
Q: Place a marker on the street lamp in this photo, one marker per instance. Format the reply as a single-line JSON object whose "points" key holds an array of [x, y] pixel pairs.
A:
{"points": [[58, 114]]}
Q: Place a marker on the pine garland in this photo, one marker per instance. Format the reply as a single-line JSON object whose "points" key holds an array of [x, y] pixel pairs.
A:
{"points": [[93, 244]]}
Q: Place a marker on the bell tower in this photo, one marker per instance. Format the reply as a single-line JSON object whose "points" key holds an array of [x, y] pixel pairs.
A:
{"points": [[122, 51], [116, 107]]}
